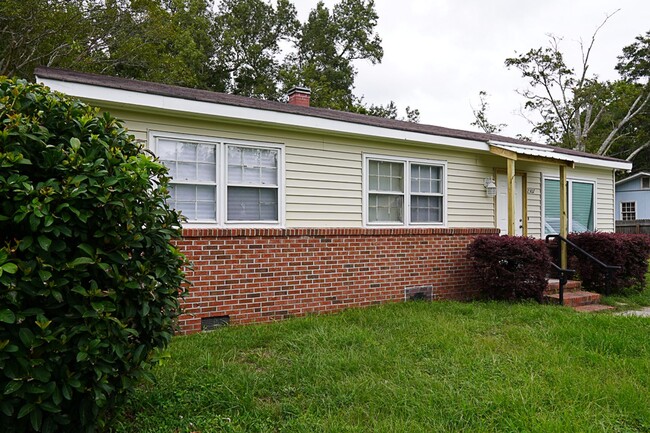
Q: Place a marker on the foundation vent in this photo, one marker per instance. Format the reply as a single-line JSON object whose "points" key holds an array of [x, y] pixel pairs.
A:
{"points": [[418, 293], [210, 323]]}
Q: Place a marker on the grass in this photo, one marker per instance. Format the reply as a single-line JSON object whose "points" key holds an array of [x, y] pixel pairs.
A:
{"points": [[413, 367], [631, 299]]}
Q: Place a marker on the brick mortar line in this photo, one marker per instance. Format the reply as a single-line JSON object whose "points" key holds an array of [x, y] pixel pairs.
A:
{"points": [[316, 232]]}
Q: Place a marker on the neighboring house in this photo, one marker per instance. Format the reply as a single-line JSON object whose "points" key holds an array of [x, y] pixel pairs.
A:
{"points": [[294, 210], [633, 197]]}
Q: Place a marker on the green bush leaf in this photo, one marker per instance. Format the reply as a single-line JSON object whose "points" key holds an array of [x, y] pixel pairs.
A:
{"points": [[12, 386], [26, 336], [25, 410], [80, 261], [75, 143], [10, 268], [6, 408], [7, 316], [36, 418], [44, 242]]}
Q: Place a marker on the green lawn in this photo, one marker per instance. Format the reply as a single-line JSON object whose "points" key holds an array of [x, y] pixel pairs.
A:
{"points": [[413, 367], [629, 301]]}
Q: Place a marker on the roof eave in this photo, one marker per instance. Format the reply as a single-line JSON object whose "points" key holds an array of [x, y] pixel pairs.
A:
{"points": [[98, 94], [634, 176], [128, 98]]}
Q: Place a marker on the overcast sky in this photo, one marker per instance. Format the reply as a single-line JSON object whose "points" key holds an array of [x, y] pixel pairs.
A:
{"points": [[438, 54]]}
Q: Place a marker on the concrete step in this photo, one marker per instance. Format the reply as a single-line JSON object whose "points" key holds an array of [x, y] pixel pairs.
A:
{"points": [[574, 299], [553, 286], [593, 308]]}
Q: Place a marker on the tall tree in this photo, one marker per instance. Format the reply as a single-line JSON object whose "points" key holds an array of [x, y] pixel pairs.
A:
{"points": [[247, 35], [36, 32], [255, 48], [577, 110], [328, 43], [165, 41], [634, 67]]}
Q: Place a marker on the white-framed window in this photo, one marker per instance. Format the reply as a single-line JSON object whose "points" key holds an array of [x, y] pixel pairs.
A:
{"points": [[628, 210], [581, 206], [404, 191], [645, 182], [221, 181]]}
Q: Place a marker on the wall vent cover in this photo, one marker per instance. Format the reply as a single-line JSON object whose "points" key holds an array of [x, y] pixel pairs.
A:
{"points": [[418, 293], [210, 323]]}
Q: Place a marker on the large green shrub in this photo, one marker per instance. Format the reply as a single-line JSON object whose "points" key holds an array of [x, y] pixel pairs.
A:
{"points": [[89, 283]]}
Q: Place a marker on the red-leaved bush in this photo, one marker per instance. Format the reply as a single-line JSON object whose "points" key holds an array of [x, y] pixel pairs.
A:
{"points": [[629, 251], [510, 267]]}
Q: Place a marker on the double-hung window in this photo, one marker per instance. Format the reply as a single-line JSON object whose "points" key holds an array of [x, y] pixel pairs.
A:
{"points": [[628, 210], [581, 206], [222, 181], [403, 191]]}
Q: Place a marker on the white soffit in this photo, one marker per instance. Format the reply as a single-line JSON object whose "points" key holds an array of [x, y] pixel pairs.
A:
{"points": [[148, 100], [527, 150]]}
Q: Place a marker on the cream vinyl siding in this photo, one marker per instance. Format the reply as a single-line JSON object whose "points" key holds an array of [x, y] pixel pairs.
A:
{"points": [[323, 173]]}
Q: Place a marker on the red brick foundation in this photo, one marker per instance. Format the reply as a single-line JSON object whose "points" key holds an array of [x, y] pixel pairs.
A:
{"points": [[257, 275]]}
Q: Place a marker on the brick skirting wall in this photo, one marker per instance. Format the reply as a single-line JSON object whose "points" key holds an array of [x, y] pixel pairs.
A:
{"points": [[258, 275]]}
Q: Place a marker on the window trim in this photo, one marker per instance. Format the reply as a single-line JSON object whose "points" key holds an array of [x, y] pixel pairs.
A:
{"points": [[570, 181], [645, 182], [621, 209], [407, 190], [221, 145]]}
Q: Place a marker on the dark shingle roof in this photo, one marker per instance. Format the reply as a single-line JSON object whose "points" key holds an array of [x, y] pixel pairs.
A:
{"points": [[242, 101]]}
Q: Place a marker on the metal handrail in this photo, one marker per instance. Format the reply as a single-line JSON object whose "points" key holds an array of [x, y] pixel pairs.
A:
{"points": [[564, 277], [609, 269]]}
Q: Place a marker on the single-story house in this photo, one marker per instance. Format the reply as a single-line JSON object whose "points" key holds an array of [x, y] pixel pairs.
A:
{"points": [[293, 209], [633, 197]]}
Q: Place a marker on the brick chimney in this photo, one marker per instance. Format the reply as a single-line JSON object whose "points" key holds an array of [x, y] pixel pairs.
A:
{"points": [[299, 96]]}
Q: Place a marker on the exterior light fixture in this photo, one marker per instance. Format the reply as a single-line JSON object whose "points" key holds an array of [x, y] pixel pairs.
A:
{"points": [[490, 187]]}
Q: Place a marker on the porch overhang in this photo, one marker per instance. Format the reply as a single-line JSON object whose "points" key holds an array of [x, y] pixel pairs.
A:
{"points": [[521, 152], [530, 153]]}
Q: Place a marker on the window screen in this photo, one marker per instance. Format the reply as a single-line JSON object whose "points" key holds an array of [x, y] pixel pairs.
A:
{"points": [[386, 187], [193, 168], [426, 193], [252, 184]]}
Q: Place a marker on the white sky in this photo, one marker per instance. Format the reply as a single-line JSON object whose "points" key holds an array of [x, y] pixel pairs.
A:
{"points": [[438, 54]]}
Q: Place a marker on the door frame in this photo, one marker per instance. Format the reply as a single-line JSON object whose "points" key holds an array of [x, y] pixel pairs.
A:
{"points": [[524, 199]]}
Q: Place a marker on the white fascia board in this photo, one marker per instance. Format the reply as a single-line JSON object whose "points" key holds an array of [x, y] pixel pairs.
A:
{"points": [[550, 153], [617, 165], [180, 105], [634, 176]]}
